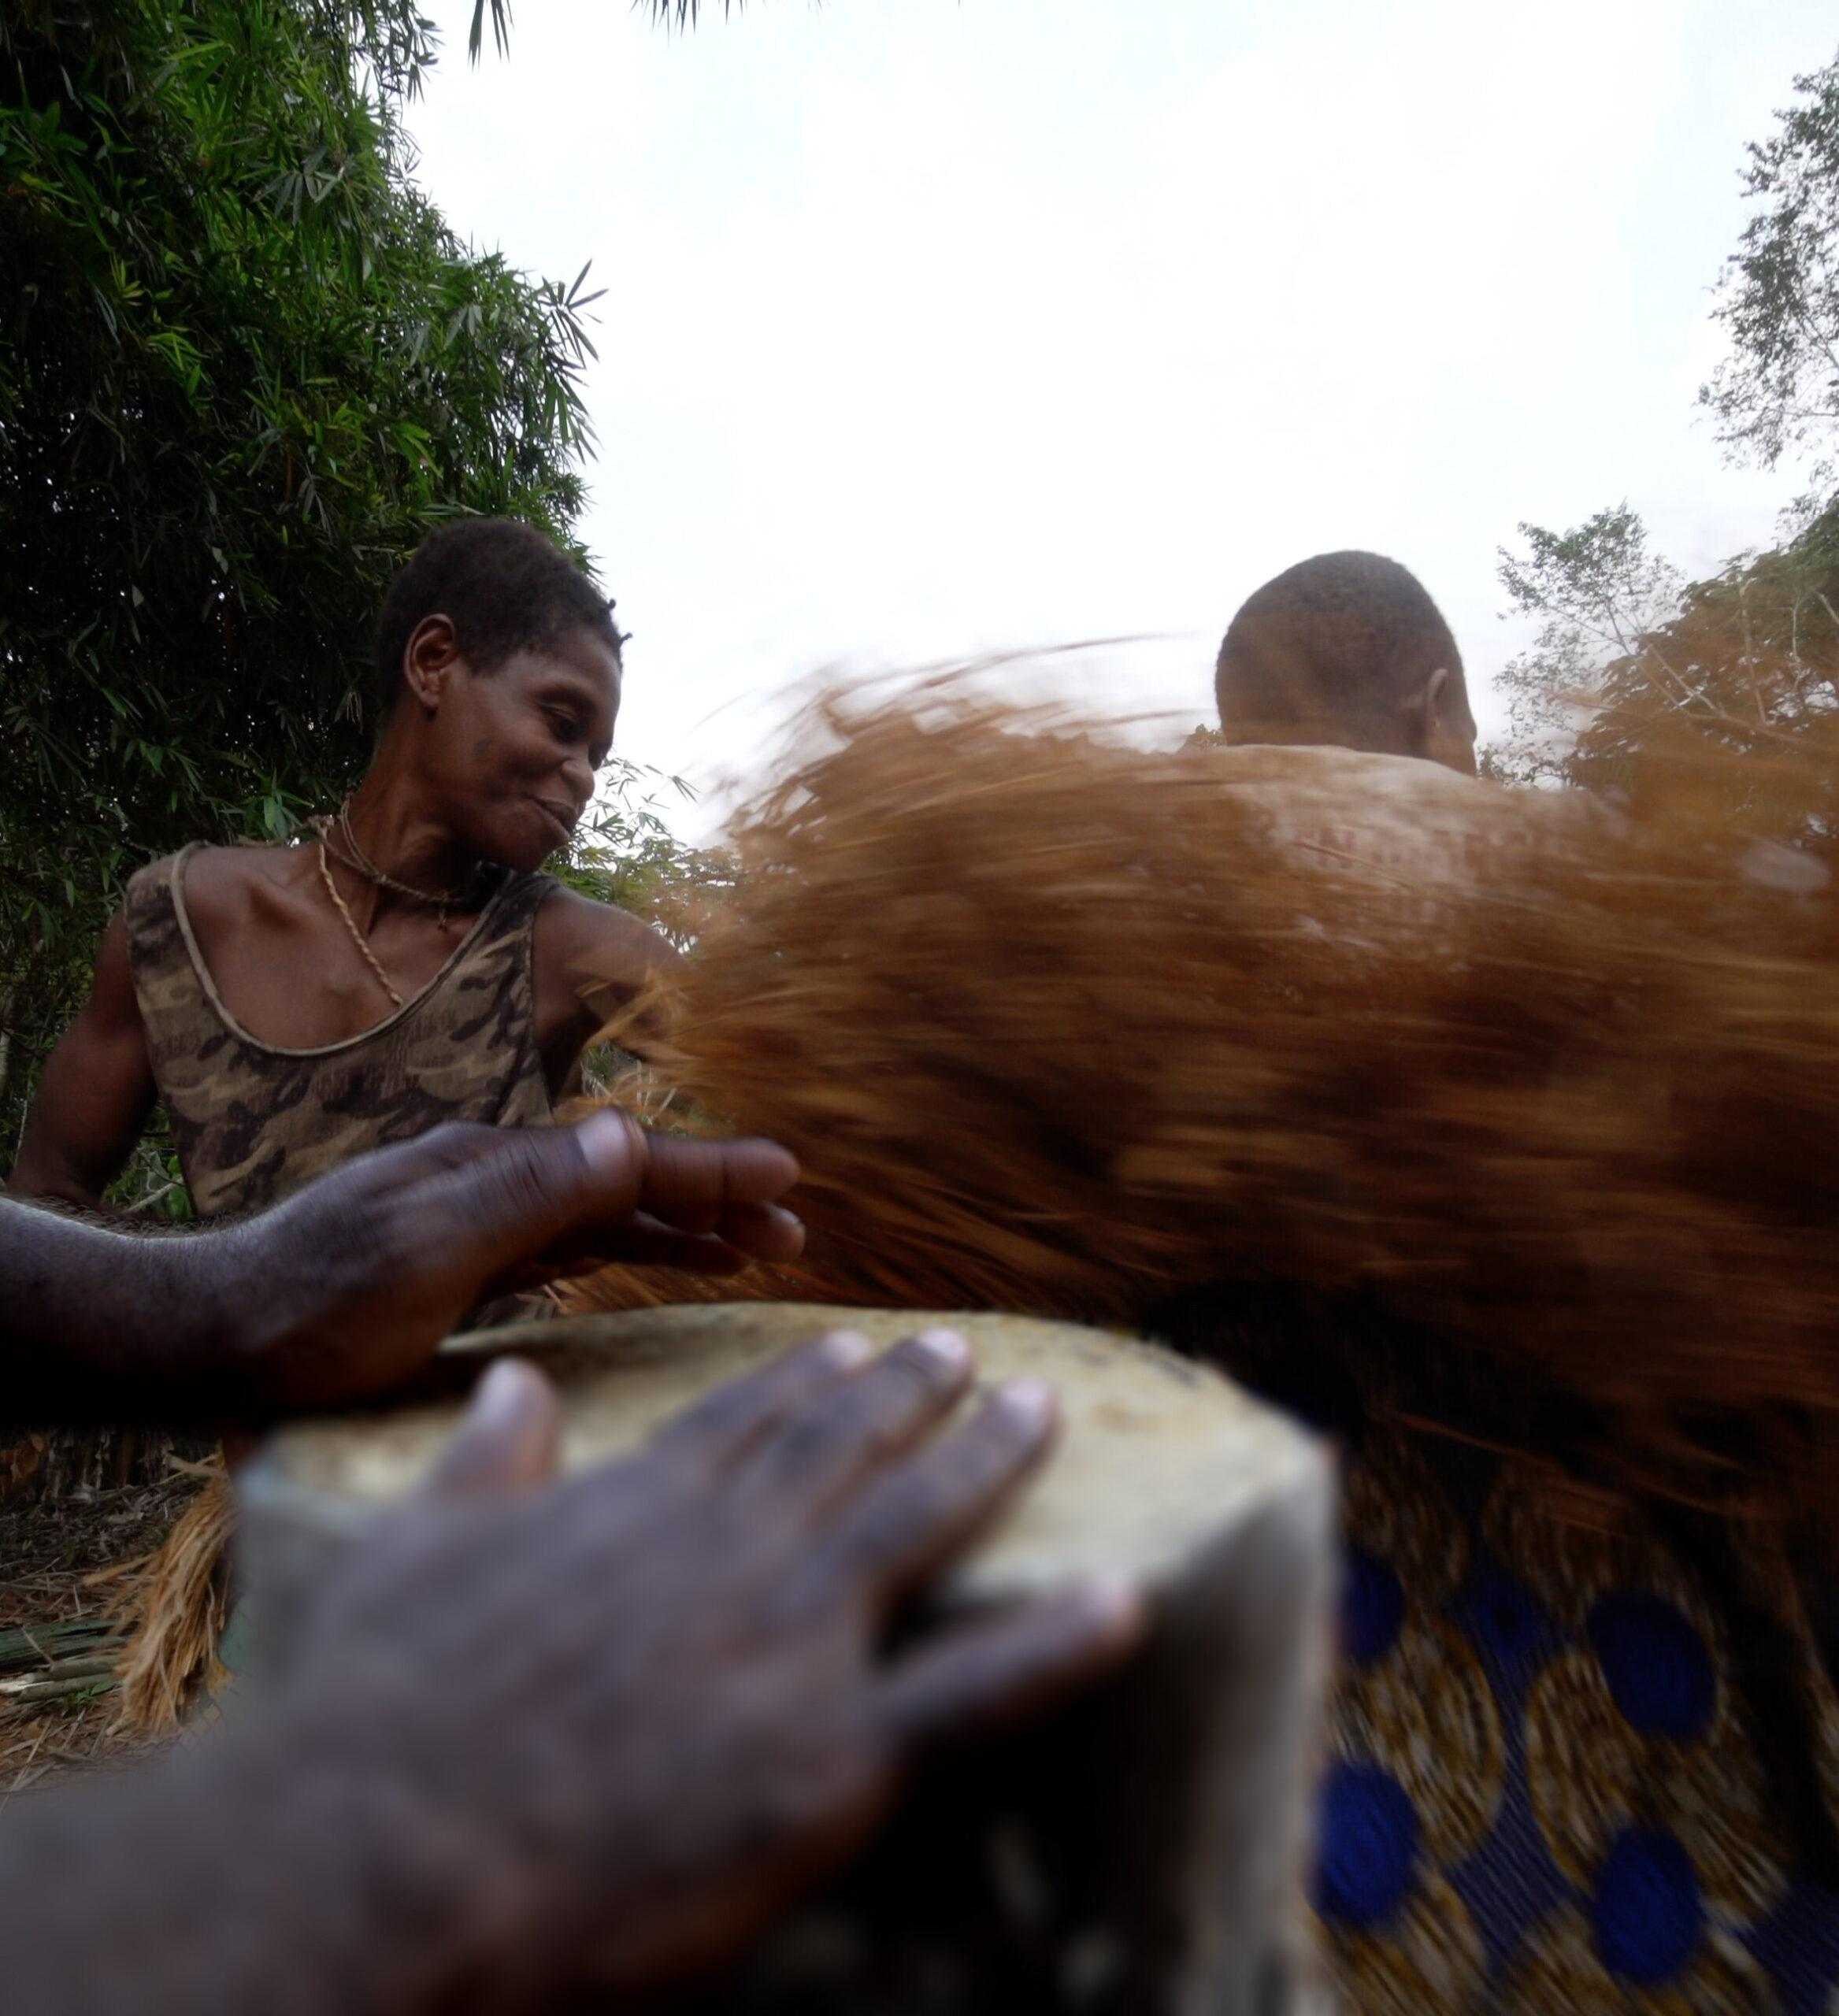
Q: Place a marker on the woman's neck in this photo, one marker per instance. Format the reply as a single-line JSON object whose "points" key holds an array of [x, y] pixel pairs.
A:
{"points": [[390, 821]]}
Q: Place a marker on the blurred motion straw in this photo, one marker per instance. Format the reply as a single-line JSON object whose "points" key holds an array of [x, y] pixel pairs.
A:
{"points": [[1061, 1026]]}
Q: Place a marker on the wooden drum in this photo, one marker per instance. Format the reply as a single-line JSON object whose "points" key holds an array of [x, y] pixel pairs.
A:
{"points": [[1141, 1850]]}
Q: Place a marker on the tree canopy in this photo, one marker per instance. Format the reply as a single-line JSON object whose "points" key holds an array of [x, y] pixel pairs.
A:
{"points": [[244, 366], [1595, 590], [1778, 390], [1629, 658]]}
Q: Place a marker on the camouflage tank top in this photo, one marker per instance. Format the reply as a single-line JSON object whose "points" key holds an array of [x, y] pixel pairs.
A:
{"points": [[253, 1122]]}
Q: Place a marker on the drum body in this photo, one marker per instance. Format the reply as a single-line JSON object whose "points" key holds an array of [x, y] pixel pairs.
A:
{"points": [[1142, 1849]]}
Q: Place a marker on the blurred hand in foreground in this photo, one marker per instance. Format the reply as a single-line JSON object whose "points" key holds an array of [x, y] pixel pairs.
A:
{"points": [[549, 1736]]}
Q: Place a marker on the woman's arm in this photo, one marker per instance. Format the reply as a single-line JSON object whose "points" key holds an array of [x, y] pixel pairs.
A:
{"points": [[96, 1092], [590, 959], [347, 1288]]}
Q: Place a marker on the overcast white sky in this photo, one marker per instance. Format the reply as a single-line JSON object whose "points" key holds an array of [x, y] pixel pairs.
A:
{"points": [[937, 326]]}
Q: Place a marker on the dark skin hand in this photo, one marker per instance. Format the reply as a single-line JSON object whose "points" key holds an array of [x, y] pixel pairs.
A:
{"points": [[347, 1287], [474, 767], [591, 1734]]}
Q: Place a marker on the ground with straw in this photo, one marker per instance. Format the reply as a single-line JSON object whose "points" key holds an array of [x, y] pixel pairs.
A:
{"points": [[72, 1560]]}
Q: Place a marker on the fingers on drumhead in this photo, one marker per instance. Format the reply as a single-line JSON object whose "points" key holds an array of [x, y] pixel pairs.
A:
{"points": [[815, 1453], [913, 1520], [723, 1425], [510, 1436]]}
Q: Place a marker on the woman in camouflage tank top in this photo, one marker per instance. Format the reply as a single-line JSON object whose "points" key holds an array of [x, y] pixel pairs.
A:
{"points": [[254, 1121], [293, 1006]]}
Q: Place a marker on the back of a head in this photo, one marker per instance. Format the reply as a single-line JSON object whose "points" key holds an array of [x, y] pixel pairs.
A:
{"points": [[1343, 648], [506, 586]]}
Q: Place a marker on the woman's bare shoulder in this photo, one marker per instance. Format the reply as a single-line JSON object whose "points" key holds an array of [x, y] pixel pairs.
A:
{"points": [[229, 885], [577, 937]]}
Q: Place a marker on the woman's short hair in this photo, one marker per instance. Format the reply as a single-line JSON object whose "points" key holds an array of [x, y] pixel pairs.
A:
{"points": [[505, 586]]}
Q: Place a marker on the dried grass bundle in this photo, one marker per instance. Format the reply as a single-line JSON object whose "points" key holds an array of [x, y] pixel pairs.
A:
{"points": [[1061, 1026], [173, 1649]]}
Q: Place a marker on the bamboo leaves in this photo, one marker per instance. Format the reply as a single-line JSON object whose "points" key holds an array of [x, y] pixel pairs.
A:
{"points": [[244, 365]]}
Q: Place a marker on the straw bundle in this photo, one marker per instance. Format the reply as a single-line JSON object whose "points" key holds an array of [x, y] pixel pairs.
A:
{"points": [[173, 1650], [1061, 1026]]}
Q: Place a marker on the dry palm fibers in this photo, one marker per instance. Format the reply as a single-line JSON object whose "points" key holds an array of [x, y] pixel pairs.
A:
{"points": [[180, 1613], [1055, 1025]]}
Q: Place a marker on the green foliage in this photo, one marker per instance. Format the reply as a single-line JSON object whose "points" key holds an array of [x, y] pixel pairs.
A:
{"points": [[684, 13], [153, 1186], [625, 853], [1748, 660], [1779, 389], [1596, 591], [1627, 653], [244, 367]]}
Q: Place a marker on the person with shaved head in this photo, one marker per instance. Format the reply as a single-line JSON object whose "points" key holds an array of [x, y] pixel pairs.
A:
{"points": [[1574, 1760], [1348, 650]]}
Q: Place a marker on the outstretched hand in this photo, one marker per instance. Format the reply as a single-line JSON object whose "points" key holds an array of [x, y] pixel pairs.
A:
{"points": [[652, 1698], [348, 1287], [548, 1742]]}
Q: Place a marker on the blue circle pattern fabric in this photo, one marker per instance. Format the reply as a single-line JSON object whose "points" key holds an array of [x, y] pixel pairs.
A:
{"points": [[1646, 1908], [1543, 1793], [1369, 1841]]}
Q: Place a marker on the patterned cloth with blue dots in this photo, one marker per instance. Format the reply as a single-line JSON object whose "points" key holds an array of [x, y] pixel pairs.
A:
{"points": [[1545, 1792]]}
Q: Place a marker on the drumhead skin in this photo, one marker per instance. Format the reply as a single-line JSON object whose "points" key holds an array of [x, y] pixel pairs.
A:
{"points": [[1158, 1455], [1162, 1820]]}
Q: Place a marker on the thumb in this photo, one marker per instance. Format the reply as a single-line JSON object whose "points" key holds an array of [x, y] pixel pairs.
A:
{"points": [[511, 1436], [510, 1193]]}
